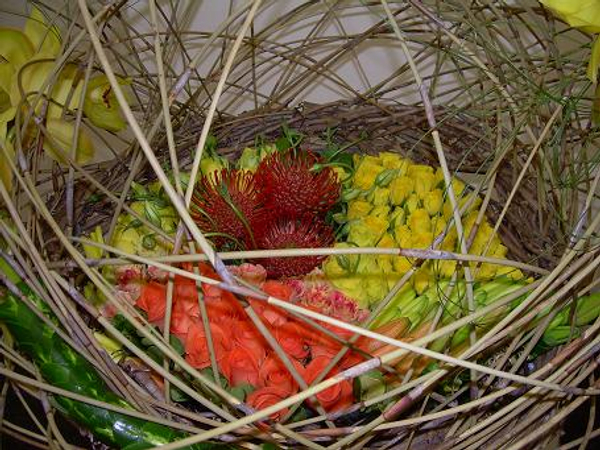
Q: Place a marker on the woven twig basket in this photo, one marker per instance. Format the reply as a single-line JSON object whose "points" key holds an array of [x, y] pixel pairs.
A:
{"points": [[493, 91]]}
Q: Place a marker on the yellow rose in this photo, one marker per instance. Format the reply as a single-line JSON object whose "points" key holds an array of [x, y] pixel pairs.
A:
{"points": [[398, 217], [400, 188], [403, 235], [402, 264], [380, 196], [432, 201], [486, 271], [420, 280], [391, 160], [444, 268], [421, 239], [419, 220], [412, 203], [381, 211], [367, 232], [419, 169], [358, 209], [424, 182], [367, 171], [511, 272]]}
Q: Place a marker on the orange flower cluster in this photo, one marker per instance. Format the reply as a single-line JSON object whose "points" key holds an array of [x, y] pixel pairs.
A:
{"points": [[242, 354]]}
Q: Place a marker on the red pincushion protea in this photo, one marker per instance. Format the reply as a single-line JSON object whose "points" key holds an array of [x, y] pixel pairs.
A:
{"points": [[289, 187], [225, 205], [293, 233]]}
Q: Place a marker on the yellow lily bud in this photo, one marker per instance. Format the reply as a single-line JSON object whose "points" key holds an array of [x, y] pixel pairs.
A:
{"points": [[358, 209], [367, 171], [90, 250], [400, 188]]}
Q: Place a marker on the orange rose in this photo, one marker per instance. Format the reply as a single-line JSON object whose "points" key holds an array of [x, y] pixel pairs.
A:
{"points": [[268, 396], [292, 338], [240, 366], [185, 288], [245, 335], [272, 372], [336, 397], [184, 314], [278, 290], [223, 307], [153, 301], [273, 316], [196, 345]]}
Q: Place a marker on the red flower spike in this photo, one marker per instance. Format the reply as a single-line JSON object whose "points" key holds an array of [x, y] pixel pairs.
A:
{"points": [[293, 233], [289, 187], [226, 204]]}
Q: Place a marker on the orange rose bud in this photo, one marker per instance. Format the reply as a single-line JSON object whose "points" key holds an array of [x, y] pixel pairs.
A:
{"points": [[272, 372], [268, 396], [196, 345], [336, 397], [152, 300], [291, 336], [241, 366]]}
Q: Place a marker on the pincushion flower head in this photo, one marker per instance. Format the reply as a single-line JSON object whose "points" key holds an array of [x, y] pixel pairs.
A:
{"points": [[225, 205], [290, 232], [292, 186]]}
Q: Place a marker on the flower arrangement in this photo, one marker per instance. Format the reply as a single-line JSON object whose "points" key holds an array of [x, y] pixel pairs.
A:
{"points": [[382, 201]]}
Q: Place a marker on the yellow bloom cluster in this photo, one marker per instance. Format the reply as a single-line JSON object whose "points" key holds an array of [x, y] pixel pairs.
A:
{"points": [[394, 203]]}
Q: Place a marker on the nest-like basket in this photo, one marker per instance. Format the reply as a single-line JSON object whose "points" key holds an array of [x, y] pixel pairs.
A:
{"points": [[495, 92]]}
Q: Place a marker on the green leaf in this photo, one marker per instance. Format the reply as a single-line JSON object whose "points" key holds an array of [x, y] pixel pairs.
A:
{"points": [[241, 391]]}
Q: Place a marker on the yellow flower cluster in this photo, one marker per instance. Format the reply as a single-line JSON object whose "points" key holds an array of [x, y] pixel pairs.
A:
{"points": [[394, 203]]}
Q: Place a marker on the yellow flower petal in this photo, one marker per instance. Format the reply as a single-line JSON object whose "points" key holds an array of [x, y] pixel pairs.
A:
{"points": [[15, 47], [45, 39], [367, 171], [101, 105], [400, 189], [60, 138], [419, 220], [592, 70], [582, 14], [358, 209]]}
